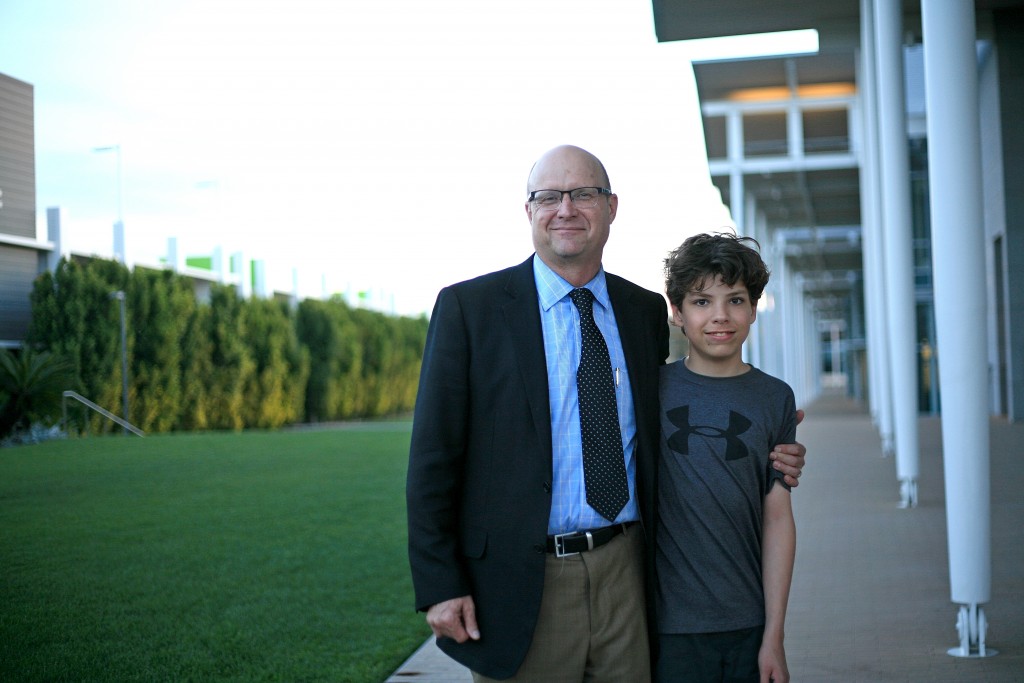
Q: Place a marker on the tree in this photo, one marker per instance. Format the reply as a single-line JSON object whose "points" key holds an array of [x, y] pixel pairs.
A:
{"points": [[160, 305], [275, 391], [326, 329], [73, 317], [196, 372], [31, 387], [232, 361]]}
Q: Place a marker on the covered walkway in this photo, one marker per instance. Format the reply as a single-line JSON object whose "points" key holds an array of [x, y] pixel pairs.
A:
{"points": [[870, 598]]}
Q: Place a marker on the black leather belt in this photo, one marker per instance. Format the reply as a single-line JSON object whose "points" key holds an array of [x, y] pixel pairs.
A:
{"points": [[576, 542]]}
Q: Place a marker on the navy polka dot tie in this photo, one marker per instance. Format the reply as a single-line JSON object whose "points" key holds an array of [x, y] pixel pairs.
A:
{"points": [[604, 467]]}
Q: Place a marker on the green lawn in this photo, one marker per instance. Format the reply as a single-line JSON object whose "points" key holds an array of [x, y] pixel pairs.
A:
{"points": [[258, 556]]}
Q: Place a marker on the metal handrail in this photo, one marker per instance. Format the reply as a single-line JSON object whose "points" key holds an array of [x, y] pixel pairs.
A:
{"points": [[89, 404]]}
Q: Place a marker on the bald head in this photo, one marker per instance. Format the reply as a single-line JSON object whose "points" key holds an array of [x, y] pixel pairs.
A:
{"points": [[568, 158]]}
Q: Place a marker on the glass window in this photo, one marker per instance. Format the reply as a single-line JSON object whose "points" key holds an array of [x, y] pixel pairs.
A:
{"points": [[764, 134], [715, 137], [826, 130]]}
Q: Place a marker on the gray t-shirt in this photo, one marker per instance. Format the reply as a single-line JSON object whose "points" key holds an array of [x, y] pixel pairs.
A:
{"points": [[713, 475]]}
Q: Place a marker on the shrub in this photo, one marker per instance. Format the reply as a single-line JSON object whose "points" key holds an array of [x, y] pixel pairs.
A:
{"points": [[31, 386]]}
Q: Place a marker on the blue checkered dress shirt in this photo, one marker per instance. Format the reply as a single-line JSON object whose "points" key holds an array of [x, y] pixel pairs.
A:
{"points": [[562, 341]]}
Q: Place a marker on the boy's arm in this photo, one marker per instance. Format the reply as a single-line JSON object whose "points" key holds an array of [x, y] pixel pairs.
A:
{"points": [[778, 549]]}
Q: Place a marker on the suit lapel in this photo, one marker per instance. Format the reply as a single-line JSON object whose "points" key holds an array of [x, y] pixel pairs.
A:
{"points": [[523, 327], [631, 326], [627, 317]]}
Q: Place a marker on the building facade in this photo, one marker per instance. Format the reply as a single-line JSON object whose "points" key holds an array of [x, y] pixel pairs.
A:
{"points": [[884, 173], [22, 255]]}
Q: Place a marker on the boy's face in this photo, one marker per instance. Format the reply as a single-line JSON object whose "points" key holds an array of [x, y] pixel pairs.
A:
{"points": [[716, 321]]}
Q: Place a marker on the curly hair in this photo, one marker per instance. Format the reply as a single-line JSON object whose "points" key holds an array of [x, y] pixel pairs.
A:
{"points": [[702, 258]]}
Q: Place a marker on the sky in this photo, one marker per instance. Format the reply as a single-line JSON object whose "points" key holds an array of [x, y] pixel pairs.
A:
{"points": [[372, 146]]}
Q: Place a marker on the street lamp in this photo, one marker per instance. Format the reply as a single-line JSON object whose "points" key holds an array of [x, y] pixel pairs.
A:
{"points": [[119, 250], [119, 295]]}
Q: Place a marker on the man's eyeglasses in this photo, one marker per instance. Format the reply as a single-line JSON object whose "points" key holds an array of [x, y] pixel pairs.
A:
{"points": [[582, 197]]}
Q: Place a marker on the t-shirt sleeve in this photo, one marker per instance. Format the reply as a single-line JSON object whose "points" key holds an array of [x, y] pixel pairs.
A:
{"points": [[785, 434]]}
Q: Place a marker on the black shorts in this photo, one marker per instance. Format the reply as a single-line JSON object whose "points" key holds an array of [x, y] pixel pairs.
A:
{"points": [[725, 657]]}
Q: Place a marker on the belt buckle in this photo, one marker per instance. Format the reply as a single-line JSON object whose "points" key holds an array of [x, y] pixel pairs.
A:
{"points": [[560, 543]]}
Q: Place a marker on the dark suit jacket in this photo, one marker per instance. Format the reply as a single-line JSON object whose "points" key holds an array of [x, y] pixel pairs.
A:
{"points": [[479, 479]]}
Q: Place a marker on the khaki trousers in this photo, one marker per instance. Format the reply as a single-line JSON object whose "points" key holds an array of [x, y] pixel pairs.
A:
{"points": [[592, 626]]}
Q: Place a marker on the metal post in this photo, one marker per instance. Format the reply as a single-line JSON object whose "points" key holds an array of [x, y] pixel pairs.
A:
{"points": [[119, 241], [119, 295]]}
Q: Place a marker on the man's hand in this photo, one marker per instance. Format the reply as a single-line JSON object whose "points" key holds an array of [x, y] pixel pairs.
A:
{"points": [[789, 457], [455, 619]]}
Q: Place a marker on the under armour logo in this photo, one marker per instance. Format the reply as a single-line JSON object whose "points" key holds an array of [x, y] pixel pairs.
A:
{"points": [[734, 447]]}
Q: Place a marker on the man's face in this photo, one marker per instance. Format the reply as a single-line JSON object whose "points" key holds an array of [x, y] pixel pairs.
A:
{"points": [[569, 236]]}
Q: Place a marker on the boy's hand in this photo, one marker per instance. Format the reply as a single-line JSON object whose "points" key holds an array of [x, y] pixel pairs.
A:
{"points": [[771, 661]]}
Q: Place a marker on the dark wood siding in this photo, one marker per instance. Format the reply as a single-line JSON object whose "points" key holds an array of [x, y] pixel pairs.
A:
{"points": [[17, 159], [18, 265], [18, 268]]}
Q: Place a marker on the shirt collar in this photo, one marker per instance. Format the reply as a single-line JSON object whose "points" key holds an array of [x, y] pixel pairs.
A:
{"points": [[552, 287]]}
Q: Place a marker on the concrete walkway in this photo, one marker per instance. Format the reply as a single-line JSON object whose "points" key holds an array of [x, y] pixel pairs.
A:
{"points": [[870, 600]]}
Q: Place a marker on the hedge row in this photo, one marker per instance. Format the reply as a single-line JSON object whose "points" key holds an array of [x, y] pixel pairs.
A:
{"points": [[230, 363]]}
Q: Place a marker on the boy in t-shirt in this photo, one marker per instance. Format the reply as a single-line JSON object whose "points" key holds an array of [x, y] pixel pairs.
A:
{"points": [[725, 539]]}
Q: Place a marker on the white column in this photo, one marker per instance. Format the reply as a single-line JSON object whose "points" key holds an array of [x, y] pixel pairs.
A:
{"points": [[55, 234], [175, 255], [260, 288], [737, 194], [120, 253], [221, 265], [293, 299], [900, 332], [871, 221], [810, 346], [734, 151], [954, 169], [836, 350], [791, 330], [794, 329], [776, 333], [243, 271], [794, 122], [757, 228]]}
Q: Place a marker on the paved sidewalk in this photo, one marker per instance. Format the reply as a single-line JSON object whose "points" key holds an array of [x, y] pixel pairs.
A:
{"points": [[429, 665], [870, 600]]}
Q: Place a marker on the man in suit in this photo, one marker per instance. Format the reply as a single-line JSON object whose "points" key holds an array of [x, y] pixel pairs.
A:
{"points": [[520, 577]]}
